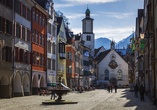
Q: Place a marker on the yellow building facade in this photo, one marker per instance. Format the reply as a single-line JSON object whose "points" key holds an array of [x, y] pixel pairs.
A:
{"points": [[61, 51]]}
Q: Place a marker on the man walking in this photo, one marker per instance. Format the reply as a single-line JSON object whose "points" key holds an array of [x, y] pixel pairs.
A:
{"points": [[108, 87], [136, 90], [142, 90], [52, 94], [115, 88]]}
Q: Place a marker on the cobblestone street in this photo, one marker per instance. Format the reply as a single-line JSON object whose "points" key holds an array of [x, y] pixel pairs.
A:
{"points": [[92, 100]]}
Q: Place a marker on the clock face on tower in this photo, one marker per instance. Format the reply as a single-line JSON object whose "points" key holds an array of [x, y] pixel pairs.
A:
{"points": [[112, 56]]}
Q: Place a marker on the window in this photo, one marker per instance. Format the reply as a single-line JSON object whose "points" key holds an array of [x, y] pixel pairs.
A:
{"points": [[62, 50], [16, 53], [69, 69], [34, 36], [43, 40], [54, 48], [25, 57], [8, 3], [17, 30], [88, 38], [54, 29], [53, 64], [85, 63], [59, 67], [24, 11], [28, 14], [106, 75], [28, 35], [23, 33], [68, 55], [7, 53], [43, 21], [49, 28], [49, 46], [40, 39], [8, 25], [33, 57], [43, 60], [1, 23], [119, 75], [37, 60], [40, 59], [37, 17], [33, 14], [21, 55], [49, 63], [40, 19], [18, 8], [37, 37]]}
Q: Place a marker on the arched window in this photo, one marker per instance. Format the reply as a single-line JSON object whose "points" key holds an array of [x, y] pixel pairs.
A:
{"points": [[106, 75], [119, 74]]}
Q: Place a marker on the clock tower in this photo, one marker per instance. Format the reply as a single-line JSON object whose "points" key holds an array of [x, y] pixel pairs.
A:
{"points": [[87, 30]]}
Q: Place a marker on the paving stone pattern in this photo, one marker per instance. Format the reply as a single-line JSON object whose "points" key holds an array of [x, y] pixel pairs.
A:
{"points": [[93, 100]]}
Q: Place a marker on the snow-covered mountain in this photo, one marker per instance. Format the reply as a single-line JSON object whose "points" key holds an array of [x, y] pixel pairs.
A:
{"points": [[106, 43]]}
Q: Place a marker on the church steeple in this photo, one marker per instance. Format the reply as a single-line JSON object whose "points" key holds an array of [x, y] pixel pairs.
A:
{"points": [[87, 13], [112, 45]]}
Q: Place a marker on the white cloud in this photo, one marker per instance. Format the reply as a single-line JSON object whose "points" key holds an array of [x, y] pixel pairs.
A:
{"points": [[71, 3], [116, 34], [91, 1], [117, 15], [75, 16]]}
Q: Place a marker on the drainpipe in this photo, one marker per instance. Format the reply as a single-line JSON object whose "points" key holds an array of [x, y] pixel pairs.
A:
{"points": [[13, 48]]}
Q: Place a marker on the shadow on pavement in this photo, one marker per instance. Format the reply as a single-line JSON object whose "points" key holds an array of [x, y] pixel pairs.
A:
{"points": [[136, 101]]}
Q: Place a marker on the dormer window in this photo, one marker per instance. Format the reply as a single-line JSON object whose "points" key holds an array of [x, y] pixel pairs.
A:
{"points": [[62, 50]]}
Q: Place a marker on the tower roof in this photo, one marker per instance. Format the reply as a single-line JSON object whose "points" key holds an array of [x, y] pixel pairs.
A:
{"points": [[87, 11]]}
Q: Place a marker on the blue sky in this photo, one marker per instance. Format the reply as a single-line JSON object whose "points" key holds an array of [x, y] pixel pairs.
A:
{"points": [[113, 19]]}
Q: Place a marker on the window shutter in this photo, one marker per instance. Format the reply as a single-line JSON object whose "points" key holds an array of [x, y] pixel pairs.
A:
{"points": [[4, 53], [25, 34], [19, 55], [10, 49], [16, 53], [4, 25], [30, 36], [21, 8], [26, 12], [10, 28], [20, 31], [30, 15]]}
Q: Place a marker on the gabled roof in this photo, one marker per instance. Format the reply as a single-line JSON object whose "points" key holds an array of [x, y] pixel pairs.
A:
{"points": [[59, 20], [97, 50], [102, 55]]}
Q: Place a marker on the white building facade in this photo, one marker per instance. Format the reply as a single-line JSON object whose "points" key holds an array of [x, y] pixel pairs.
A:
{"points": [[51, 46], [112, 68]]}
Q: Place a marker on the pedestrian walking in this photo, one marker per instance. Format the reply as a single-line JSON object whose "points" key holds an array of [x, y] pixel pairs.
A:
{"points": [[52, 94], [111, 88], [142, 90], [136, 90], [115, 88], [108, 87]]}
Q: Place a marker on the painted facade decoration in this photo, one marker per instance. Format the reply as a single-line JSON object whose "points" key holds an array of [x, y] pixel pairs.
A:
{"points": [[113, 64]]}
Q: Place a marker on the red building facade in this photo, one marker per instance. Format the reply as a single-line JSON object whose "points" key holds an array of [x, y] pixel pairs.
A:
{"points": [[39, 48]]}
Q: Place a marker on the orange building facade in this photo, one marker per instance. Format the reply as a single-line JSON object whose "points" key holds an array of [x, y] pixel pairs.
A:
{"points": [[39, 48], [70, 64]]}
